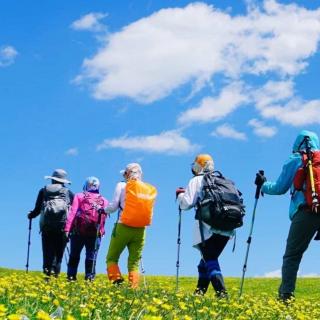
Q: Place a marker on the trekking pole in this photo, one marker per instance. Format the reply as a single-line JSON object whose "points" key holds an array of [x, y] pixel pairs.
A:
{"points": [[315, 202], [67, 255], [178, 251], [96, 245], [257, 195], [29, 244], [143, 272]]}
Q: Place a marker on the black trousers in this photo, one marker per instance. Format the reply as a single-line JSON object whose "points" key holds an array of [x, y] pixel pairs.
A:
{"points": [[53, 245]]}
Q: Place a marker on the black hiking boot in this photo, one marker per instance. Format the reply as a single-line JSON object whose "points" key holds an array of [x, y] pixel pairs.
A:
{"points": [[286, 298], [118, 282], [71, 278], [199, 292]]}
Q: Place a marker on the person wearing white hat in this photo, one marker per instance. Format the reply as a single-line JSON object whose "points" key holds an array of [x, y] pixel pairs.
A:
{"points": [[52, 205]]}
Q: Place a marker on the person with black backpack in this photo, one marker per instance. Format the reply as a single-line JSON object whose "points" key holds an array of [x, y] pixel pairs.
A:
{"points": [[219, 210], [301, 175], [85, 225], [52, 205]]}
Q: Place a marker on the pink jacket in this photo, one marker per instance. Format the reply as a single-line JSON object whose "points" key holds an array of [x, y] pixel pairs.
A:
{"points": [[76, 206]]}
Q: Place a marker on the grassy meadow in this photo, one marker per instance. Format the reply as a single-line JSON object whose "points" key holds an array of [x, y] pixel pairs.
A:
{"points": [[27, 296]]}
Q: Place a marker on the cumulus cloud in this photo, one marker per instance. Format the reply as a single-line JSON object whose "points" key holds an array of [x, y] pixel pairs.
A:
{"points": [[296, 112], [215, 108], [8, 55], [260, 129], [151, 57], [273, 274], [227, 131], [168, 142], [90, 22], [72, 152]]}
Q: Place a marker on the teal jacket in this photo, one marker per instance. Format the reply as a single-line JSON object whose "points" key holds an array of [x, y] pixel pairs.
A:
{"points": [[285, 180]]}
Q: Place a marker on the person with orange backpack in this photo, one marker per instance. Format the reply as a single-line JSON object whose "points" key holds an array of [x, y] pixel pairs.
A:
{"points": [[134, 201], [300, 174], [85, 225]]}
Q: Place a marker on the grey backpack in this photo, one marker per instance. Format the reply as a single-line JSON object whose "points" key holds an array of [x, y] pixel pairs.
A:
{"points": [[55, 208], [222, 205]]}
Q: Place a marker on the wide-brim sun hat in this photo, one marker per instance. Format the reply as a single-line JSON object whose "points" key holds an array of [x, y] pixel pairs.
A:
{"points": [[59, 175]]}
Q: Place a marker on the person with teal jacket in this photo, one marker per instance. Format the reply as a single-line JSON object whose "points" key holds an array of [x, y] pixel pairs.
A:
{"points": [[304, 223]]}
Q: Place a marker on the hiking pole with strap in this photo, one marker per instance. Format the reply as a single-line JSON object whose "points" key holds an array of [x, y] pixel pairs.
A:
{"points": [[143, 272], [96, 243], [315, 202], [29, 244], [178, 250], [257, 195]]}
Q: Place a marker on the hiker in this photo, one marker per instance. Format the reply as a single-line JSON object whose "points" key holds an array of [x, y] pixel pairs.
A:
{"points": [[53, 203], [209, 240], [304, 222], [134, 201], [82, 226]]}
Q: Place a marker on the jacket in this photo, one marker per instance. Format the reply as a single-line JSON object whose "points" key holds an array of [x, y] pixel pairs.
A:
{"points": [[289, 169]]}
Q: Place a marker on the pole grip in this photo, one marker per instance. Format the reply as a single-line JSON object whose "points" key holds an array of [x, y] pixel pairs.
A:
{"points": [[258, 189]]}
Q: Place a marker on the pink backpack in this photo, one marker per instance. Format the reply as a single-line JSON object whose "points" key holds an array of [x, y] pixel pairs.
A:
{"points": [[87, 217]]}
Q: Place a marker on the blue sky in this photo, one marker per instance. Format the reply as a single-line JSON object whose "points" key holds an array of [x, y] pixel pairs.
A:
{"points": [[92, 86]]}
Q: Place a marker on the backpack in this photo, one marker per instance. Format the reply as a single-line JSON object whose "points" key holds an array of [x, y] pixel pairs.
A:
{"points": [[139, 202], [221, 206], [87, 218], [302, 180], [55, 208]]}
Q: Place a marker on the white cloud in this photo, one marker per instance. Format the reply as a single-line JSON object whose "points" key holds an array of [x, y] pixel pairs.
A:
{"points": [[151, 57], [8, 55], [228, 131], [260, 129], [215, 108], [273, 274], [168, 142], [72, 152], [296, 112], [273, 92], [90, 22]]}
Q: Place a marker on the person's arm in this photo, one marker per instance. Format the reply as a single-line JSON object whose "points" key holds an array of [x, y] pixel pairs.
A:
{"points": [[188, 199], [115, 204], [38, 206], [71, 196], [285, 180], [72, 213]]}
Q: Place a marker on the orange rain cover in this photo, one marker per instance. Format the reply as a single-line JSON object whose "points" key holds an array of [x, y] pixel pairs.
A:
{"points": [[139, 201]]}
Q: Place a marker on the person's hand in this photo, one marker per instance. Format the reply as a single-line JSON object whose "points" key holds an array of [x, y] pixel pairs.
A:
{"points": [[30, 215], [179, 190], [260, 178]]}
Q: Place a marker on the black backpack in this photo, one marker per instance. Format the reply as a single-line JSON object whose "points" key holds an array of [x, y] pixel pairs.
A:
{"points": [[222, 205], [55, 208]]}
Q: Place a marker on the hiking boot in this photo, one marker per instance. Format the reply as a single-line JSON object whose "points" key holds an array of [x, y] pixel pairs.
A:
{"points": [[222, 295], [218, 284], [118, 282], [286, 298], [71, 278], [199, 292]]}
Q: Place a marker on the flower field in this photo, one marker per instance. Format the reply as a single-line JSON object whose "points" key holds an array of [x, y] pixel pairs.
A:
{"points": [[28, 296]]}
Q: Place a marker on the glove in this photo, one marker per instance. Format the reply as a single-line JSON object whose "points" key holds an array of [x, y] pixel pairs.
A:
{"points": [[101, 211], [180, 190], [260, 178], [30, 216]]}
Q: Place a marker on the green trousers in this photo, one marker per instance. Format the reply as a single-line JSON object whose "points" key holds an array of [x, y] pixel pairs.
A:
{"points": [[303, 227], [124, 236]]}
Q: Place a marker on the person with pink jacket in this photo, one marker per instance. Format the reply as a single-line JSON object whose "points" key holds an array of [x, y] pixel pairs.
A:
{"points": [[82, 226]]}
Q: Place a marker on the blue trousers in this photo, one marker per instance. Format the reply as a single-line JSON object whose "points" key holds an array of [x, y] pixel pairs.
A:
{"points": [[77, 243]]}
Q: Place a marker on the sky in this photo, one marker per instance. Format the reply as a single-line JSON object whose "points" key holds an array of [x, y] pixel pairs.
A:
{"points": [[93, 85]]}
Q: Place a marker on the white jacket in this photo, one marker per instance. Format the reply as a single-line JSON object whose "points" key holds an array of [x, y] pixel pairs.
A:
{"points": [[188, 200]]}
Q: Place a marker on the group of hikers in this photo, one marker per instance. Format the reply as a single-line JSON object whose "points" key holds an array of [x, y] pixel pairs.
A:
{"points": [[219, 211]]}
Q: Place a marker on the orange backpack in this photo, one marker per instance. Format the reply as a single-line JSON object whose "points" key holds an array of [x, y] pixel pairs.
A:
{"points": [[139, 201]]}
